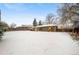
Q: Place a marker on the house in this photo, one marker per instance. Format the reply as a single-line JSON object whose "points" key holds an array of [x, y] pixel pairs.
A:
{"points": [[23, 27], [48, 27], [65, 27]]}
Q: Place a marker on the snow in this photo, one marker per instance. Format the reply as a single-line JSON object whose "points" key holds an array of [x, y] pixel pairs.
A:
{"points": [[46, 25], [36, 43]]}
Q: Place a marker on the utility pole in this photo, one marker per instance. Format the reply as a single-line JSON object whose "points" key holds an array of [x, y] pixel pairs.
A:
{"points": [[0, 21], [0, 15]]}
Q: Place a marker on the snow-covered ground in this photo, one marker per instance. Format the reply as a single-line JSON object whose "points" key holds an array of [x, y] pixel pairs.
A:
{"points": [[28, 42]]}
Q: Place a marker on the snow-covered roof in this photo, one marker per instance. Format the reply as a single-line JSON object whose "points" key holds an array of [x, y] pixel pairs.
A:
{"points": [[65, 26], [76, 24], [75, 18], [46, 25]]}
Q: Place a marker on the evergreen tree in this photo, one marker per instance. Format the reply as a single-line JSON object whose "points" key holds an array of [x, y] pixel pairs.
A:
{"points": [[40, 23], [34, 22]]}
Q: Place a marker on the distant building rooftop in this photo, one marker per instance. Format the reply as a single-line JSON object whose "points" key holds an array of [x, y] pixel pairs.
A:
{"points": [[46, 25]]}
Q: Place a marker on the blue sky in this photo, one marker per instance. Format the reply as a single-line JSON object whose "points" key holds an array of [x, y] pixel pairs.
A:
{"points": [[24, 13]]}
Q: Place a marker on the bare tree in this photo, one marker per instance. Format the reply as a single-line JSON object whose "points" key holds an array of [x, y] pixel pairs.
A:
{"points": [[49, 18], [13, 25], [69, 11], [66, 12]]}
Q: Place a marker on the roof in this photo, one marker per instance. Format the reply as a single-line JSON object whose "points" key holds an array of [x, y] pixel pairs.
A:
{"points": [[65, 26], [76, 24], [46, 25]]}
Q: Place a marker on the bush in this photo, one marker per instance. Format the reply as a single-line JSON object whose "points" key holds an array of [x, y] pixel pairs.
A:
{"points": [[1, 32]]}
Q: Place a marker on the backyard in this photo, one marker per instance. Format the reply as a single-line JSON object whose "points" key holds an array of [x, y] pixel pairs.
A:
{"points": [[30, 42]]}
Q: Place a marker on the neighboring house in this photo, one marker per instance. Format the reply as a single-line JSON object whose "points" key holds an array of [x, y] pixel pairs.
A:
{"points": [[54, 28], [76, 26], [48, 27], [23, 27], [65, 27]]}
